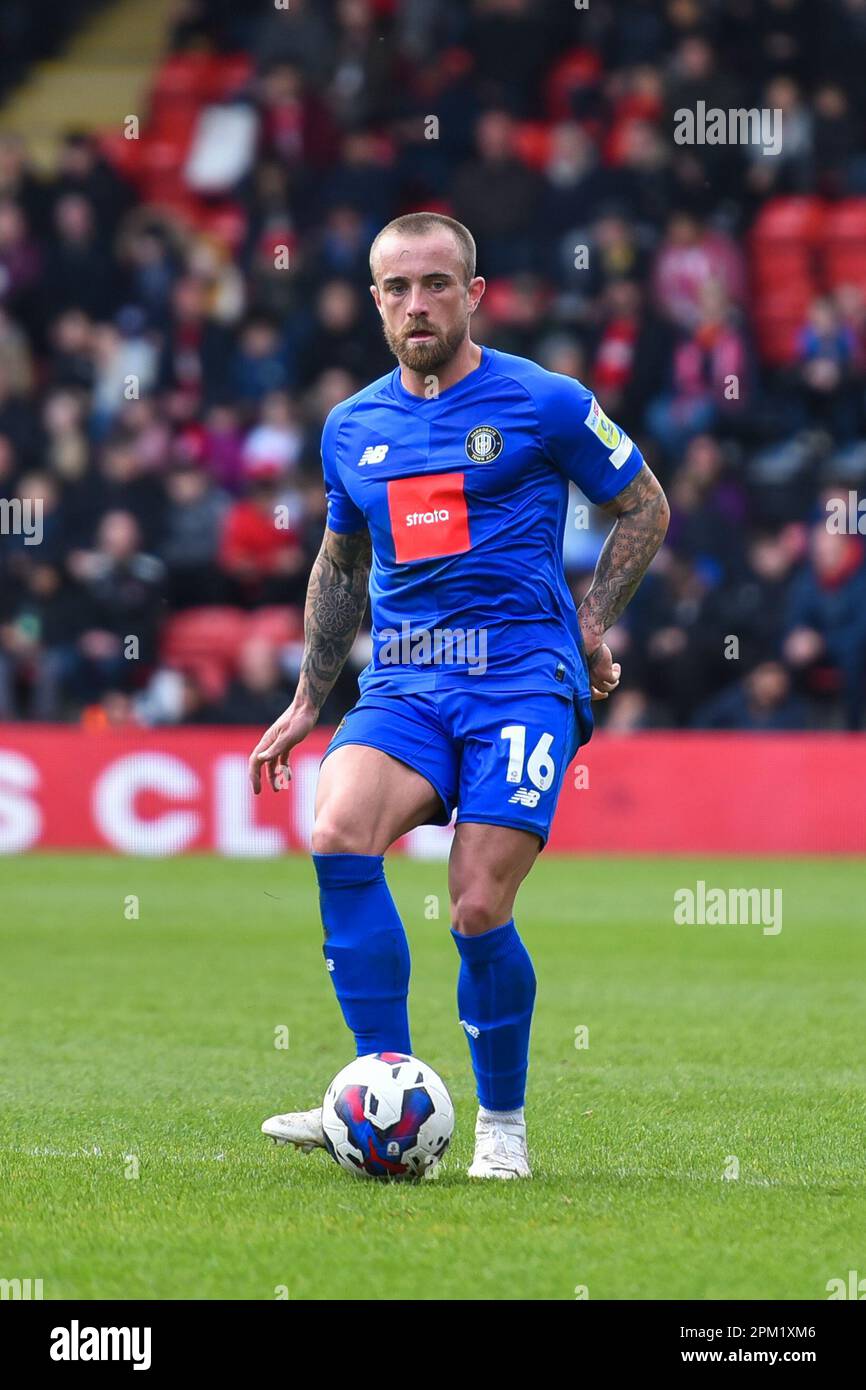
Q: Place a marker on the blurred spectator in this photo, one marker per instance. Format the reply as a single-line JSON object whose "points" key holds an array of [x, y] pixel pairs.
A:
{"points": [[497, 197], [761, 701], [258, 694], [708, 510], [690, 256], [81, 170], [80, 272], [297, 128], [262, 559], [125, 364], [71, 349], [120, 590], [341, 337], [20, 264], [196, 350], [259, 364], [708, 374], [36, 644], [66, 446], [629, 363], [826, 626], [151, 267], [275, 443], [791, 169], [826, 350], [190, 538]]}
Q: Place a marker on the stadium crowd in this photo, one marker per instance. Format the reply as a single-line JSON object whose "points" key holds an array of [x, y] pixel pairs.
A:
{"points": [[164, 378]]}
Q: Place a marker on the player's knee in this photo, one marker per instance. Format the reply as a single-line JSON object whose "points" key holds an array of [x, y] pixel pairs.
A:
{"points": [[335, 834], [476, 910]]}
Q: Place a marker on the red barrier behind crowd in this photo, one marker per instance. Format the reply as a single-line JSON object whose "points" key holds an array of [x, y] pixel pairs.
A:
{"points": [[172, 791]]}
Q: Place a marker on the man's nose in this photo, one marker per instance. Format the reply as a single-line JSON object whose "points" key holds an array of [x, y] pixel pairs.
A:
{"points": [[417, 305]]}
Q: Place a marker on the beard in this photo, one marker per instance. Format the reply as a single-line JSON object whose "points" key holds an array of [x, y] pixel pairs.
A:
{"points": [[425, 357]]}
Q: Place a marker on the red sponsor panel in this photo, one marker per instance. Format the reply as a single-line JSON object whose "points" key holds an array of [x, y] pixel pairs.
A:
{"points": [[694, 793], [428, 516], [166, 792], [156, 793]]}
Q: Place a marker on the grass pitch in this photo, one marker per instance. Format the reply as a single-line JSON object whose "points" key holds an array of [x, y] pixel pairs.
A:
{"points": [[139, 1058]]}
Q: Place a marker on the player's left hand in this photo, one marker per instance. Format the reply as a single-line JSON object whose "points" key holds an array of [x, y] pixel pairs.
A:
{"points": [[604, 672]]}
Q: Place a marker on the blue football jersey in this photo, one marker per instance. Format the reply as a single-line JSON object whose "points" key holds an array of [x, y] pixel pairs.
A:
{"points": [[465, 495]]}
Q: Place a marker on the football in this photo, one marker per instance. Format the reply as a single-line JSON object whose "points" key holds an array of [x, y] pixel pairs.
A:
{"points": [[387, 1115]]}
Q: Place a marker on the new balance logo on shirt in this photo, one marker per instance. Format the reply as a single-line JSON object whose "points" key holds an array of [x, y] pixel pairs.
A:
{"points": [[374, 453]]}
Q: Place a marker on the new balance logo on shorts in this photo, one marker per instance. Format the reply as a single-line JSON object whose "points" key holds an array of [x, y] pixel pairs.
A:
{"points": [[524, 797], [470, 1028], [374, 453]]}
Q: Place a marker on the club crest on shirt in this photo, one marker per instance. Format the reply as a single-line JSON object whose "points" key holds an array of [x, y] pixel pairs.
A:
{"points": [[483, 444]]}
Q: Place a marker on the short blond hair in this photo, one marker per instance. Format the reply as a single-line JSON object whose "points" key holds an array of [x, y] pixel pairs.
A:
{"points": [[419, 223]]}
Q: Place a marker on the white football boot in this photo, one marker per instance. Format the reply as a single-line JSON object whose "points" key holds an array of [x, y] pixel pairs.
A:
{"points": [[500, 1148], [303, 1128]]}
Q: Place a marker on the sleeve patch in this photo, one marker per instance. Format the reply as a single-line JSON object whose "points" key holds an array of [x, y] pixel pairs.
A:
{"points": [[607, 432], [621, 452]]}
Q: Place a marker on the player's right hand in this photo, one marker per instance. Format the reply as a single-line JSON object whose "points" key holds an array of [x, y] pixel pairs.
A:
{"points": [[604, 672], [273, 748]]}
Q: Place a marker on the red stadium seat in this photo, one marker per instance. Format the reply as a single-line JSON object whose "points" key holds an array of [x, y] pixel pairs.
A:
{"points": [[777, 338], [785, 301], [846, 221], [183, 77], [777, 262], [204, 642], [226, 223], [229, 73], [845, 266], [532, 144], [790, 219], [278, 625], [784, 259], [579, 68], [845, 244]]}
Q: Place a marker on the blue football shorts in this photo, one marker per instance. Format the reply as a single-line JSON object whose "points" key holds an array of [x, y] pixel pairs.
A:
{"points": [[500, 757]]}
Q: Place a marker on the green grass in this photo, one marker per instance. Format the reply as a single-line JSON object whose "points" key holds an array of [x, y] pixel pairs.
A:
{"points": [[155, 1038]]}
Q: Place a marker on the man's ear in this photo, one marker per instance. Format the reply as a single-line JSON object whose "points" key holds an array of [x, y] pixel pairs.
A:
{"points": [[377, 298]]}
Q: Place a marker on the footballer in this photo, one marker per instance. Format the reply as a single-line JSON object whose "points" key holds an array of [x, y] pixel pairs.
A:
{"points": [[447, 486]]}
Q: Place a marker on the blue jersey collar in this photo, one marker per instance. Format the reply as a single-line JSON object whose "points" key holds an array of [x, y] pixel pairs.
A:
{"points": [[465, 384]]}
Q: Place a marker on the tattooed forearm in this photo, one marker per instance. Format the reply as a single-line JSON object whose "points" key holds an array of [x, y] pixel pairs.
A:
{"points": [[642, 516], [336, 599]]}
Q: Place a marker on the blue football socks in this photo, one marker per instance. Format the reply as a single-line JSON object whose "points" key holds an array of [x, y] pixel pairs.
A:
{"points": [[365, 950], [495, 997]]}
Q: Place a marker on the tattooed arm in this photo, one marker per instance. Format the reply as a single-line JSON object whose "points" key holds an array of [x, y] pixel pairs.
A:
{"points": [[336, 599], [642, 515]]}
